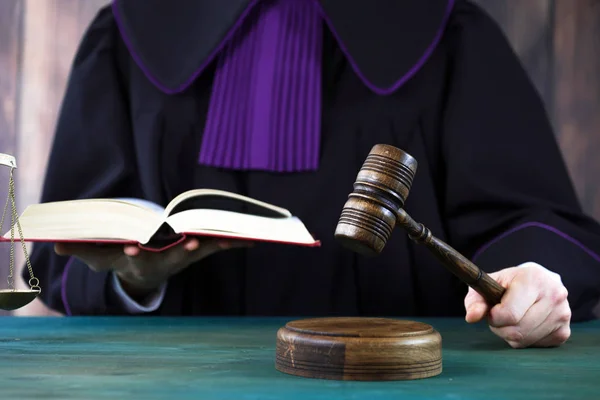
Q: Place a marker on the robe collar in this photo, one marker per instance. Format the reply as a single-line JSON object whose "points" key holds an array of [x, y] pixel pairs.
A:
{"points": [[385, 41]]}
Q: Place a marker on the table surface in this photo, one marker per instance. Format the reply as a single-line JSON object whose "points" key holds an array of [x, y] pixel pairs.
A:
{"points": [[233, 358]]}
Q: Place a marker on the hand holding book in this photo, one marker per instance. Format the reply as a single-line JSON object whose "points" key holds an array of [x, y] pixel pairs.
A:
{"points": [[141, 271], [144, 243]]}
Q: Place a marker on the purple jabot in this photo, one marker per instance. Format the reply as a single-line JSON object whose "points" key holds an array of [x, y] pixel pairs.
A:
{"points": [[264, 111]]}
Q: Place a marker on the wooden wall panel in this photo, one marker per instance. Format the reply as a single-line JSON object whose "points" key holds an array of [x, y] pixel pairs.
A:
{"points": [[577, 93], [558, 42], [11, 13], [52, 31], [528, 27]]}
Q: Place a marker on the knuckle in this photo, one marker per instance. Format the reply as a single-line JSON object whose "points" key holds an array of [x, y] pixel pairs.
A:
{"points": [[563, 334], [532, 268], [556, 277], [531, 276], [565, 314], [539, 273], [511, 316], [514, 335], [559, 294]]}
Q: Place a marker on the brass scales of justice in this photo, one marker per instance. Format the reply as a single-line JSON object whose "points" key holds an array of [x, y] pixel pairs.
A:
{"points": [[12, 298]]}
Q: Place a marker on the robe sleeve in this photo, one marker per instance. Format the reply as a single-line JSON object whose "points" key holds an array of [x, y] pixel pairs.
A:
{"points": [[508, 197], [91, 156]]}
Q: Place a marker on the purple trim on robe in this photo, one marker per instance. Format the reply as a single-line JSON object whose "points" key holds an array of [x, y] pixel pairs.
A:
{"points": [[200, 69], [264, 111], [403, 79], [419, 64], [63, 288], [563, 235]]}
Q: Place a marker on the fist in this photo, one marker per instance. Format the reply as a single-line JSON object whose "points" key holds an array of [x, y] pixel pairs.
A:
{"points": [[534, 311]]}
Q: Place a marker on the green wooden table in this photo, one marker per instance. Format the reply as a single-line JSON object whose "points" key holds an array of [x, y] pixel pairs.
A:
{"points": [[231, 358]]}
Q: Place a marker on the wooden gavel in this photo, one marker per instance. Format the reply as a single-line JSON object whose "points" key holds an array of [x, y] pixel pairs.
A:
{"points": [[375, 207]]}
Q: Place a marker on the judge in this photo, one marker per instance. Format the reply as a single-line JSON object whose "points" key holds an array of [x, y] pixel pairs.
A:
{"points": [[282, 101]]}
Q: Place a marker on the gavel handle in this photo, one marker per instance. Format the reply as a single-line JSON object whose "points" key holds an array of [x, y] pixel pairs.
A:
{"points": [[459, 265]]}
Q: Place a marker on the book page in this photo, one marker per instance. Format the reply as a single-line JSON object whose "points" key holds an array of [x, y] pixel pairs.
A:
{"points": [[206, 221], [147, 204], [88, 219], [213, 192]]}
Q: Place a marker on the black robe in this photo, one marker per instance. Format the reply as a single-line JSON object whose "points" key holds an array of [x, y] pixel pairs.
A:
{"points": [[444, 86]]}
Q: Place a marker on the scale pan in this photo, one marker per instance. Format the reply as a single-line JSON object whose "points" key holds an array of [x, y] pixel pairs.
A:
{"points": [[14, 299]]}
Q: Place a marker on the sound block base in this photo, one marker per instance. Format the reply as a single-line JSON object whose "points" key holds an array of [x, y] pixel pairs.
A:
{"points": [[359, 348]]}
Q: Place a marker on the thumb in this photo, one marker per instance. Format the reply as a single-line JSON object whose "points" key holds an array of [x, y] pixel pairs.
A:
{"points": [[476, 306]]}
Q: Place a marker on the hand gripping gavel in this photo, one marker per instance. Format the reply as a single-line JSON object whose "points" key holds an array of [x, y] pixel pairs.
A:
{"points": [[376, 206]]}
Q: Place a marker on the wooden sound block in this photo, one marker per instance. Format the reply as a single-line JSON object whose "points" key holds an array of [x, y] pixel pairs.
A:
{"points": [[359, 348]]}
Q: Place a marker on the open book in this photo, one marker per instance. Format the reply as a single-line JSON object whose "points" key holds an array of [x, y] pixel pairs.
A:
{"points": [[200, 212]]}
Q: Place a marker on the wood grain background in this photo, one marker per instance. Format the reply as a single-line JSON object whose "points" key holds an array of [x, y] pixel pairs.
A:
{"points": [[558, 42]]}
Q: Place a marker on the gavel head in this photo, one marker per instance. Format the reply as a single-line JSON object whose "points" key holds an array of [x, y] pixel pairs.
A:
{"points": [[380, 190]]}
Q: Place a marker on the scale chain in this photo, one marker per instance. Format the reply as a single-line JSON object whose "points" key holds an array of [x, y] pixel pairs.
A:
{"points": [[33, 281]]}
